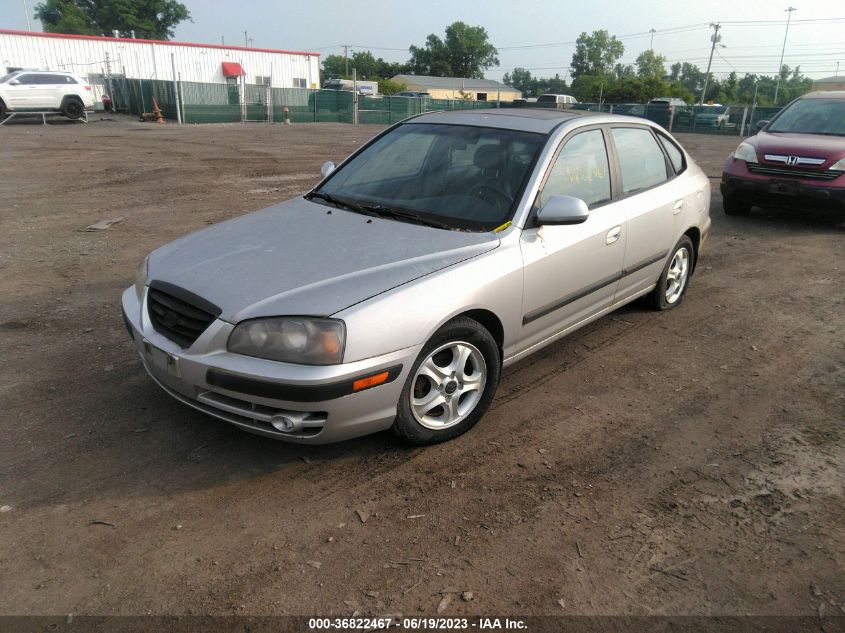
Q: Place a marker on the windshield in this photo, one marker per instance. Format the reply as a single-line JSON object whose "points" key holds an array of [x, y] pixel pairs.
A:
{"points": [[812, 116], [7, 77], [547, 99], [460, 176]]}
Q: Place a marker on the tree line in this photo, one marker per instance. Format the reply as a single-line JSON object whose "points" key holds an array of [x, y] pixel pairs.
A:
{"points": [[597, 75], [465, 51]]}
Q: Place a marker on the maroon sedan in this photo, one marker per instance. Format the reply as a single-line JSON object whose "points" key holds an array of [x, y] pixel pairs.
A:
{"points": [[797, 157]]}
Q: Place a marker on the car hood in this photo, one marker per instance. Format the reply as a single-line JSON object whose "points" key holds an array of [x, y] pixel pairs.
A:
{"points": [[304, 258], [811, 145]]}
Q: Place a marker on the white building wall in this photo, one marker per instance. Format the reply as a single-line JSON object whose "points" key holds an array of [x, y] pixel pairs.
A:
{"points": [[147, 59]]}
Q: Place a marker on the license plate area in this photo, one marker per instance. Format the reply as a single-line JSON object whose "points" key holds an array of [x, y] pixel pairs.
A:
{"points": [[783, 187], [162, 360]]}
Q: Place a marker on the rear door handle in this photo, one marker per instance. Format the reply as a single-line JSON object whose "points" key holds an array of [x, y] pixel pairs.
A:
{"points": [[678, 206], [613, 235]]}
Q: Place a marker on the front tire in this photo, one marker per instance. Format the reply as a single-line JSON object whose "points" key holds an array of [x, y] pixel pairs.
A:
{"points": [[450, 385], [674, 280], [73, 108], [2, 109]]}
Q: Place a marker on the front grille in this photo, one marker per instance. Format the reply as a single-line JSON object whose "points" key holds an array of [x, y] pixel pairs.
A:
{"points": [[175, 318], [794, 172]]}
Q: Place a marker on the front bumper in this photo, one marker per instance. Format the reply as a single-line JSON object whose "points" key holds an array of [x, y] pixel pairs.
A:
{"points": [[296, 403], [738, 182]]}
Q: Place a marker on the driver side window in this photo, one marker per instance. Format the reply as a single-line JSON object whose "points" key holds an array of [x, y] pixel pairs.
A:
{"points": [[580, 170]]}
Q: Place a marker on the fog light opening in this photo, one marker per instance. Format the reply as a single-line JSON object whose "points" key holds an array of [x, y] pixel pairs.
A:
{"points": [[285, 424]]}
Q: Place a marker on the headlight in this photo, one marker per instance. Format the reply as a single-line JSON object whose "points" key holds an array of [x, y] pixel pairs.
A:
{"points": [[302, 341], [141, 278], [838, 165], [746, 152]]}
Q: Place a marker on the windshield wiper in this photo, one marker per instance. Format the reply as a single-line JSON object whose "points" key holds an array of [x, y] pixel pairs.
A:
{"points": [[340, 204], [401, 214]]}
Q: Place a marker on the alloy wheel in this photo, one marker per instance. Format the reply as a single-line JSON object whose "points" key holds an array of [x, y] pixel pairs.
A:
{"points": [[448, 385], [677, 275]]}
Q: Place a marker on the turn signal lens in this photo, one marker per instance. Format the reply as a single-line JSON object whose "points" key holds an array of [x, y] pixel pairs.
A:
{"points": [[369, 381]]}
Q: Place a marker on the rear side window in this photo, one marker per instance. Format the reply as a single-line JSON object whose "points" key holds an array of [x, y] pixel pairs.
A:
{"points": [[640, 159], [580, 170], [676, 156]]}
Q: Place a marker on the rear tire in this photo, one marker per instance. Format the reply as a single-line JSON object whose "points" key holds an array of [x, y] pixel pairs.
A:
{"points": [[735, 206], [674, 280], [73, 108], [450, 385]]}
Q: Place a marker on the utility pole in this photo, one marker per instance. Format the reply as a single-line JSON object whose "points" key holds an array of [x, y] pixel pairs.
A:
{"points": [[346, 59], [223, 40], [782, 51], [26, 13], [652, 31], [246, 40], [715, 38], [837, 69]]}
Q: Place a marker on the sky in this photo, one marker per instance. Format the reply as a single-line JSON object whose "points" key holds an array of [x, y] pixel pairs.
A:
{"points": [[533, 34]]}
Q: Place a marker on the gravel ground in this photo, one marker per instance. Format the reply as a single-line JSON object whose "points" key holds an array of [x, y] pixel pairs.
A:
{"points": [[688, 462]]}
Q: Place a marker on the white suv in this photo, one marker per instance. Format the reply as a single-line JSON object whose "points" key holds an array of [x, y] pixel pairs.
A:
{"points": [[39, 91]]}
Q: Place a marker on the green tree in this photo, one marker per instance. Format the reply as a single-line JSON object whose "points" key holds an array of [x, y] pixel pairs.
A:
{"points": [[650, 64], [522, 80], [388, 87], [623, 70], [364, 63], [334, 66], [150, 19], [595, 54], [466, 52], [64, 16]]}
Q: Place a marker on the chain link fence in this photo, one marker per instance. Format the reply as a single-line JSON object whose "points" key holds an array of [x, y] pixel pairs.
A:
{"points": [[732, 120], [241, 102]]}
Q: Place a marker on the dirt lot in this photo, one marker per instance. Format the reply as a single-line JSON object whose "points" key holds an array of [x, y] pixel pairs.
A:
{"points": [[689, 462]]}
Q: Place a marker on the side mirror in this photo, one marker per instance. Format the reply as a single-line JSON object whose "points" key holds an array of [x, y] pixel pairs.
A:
{"points": [[563, 210], [761, 124], [327, 168]]}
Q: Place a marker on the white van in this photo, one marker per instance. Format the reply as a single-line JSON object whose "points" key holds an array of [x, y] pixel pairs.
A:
{"points": [[558, 101]]}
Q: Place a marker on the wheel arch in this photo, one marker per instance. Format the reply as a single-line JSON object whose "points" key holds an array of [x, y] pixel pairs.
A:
{"points": [[491, 323], [694, 233]]}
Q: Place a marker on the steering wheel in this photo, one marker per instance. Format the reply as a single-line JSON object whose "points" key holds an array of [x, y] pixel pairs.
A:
{"points": [[494, 196]]}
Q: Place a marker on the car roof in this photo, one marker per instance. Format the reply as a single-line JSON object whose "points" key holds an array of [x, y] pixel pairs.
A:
{"points": [[45, 72], [537, 120], [825, 94]]}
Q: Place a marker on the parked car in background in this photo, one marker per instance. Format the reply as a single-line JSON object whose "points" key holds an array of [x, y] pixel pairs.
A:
{"points": [[717, 116], [797, 157], [629, 109], [557, 101], [412, 93], [393, 293], [365, 88], [42, 91], [666, 107]]}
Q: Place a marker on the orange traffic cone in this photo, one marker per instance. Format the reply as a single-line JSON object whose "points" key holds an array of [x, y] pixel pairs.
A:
{"points": [[157, 112]]}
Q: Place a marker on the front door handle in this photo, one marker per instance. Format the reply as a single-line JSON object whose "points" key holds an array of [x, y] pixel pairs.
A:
{"points": [[613, 235], [678, 206]]}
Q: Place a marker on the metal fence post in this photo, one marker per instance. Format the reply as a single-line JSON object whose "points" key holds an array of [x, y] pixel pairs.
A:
{"points": [[175, 89], [744, 116], [354, 97], [671, 117]]}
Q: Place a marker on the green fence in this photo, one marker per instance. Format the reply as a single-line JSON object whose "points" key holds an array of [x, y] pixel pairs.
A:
{"points": [[232, 103], [728, 120]]}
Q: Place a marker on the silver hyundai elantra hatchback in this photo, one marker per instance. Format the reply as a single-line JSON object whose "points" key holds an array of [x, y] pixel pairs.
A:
{"points": [[393, 294]]}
